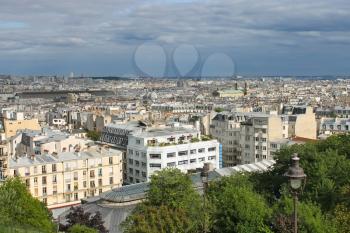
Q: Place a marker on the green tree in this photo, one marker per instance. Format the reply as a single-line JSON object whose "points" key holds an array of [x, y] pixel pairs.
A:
{"points": [[218, 109], [162, 219], [77, 216], [310, 218], [94, 135], [20, 208], [237, 207], [172, 205], [81, 229], [172, 188]]}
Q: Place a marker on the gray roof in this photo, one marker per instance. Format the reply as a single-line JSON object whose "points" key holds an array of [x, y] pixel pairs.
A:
{"points": [[25, 161]]}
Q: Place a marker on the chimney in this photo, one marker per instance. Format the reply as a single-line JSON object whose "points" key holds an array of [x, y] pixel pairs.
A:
{"points": [[32, 156], [54, 154]]}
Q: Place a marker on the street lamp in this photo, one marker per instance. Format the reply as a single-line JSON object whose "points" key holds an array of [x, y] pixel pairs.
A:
{"points": [[205, 181], [297, 179]]}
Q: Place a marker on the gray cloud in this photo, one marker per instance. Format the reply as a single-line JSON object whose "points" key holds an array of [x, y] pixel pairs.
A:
{"points": [[41, 29]]}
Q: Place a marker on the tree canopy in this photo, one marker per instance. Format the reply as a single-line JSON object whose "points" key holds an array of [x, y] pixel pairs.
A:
{"points": [[258, 202], [19, 208]]}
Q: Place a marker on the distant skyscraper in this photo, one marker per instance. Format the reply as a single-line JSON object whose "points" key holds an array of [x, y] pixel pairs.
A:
{"points": [[71, 75]]}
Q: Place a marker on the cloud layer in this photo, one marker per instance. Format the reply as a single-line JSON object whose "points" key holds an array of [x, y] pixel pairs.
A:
{"points": [[101, 37]]}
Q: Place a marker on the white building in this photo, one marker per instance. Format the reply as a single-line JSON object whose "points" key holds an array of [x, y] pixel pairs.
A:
{"points": [[156, 149]]}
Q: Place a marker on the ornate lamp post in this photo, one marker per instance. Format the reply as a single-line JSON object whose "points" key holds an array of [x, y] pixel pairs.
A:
{"points": [[205, 181], [297, 180]]}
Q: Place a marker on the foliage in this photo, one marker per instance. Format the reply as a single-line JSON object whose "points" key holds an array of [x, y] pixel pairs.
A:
{"points": [[172, 188], [258, 202], [172, 206], [81, 229], [237, 207], [78, 216], [152, 219], [218, 109], [195, 140], [327, 165], [310, 218], [94, 135], [19, 208]]}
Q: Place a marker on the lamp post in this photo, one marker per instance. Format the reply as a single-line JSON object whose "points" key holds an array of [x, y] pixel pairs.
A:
{"points": [[205, 180], [297, 180]]}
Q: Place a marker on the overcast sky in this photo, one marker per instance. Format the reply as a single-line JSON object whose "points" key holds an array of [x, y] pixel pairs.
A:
{"points": [[175, 37]]}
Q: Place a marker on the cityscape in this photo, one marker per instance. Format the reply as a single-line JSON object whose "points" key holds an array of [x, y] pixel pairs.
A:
{"points": [[176, 134]]}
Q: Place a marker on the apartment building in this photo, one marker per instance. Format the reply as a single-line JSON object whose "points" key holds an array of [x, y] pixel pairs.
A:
{"points": [[62, 179], [155, 149], [330, 126], [245, 137]]}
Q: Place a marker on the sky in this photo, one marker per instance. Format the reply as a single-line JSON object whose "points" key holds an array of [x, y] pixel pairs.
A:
{"points": [[175, 37]]}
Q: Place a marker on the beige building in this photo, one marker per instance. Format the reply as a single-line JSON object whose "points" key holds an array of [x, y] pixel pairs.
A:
{"points": [[62, 179], [11, 126], [245, 137]]}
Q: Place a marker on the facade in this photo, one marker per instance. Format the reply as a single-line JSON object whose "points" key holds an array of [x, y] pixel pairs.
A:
{"points": [[62, 179], [245, 137], [11, 126], [156, 149], [330, 126]]}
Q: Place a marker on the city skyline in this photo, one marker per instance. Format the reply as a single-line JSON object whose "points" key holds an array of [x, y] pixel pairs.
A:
{"points": [[117, 38]]}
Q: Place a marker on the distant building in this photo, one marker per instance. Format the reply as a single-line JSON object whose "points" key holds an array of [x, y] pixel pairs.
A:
{"points": [[11, 126]]}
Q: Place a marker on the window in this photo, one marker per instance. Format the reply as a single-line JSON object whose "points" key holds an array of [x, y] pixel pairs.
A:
{"points": [[137, 153], [131, 152], [137, 163], [257, 147], [54, 169], [201, 159], [131, 171], [27, 171], [171, 155], [138, 141], [75, 175], [111, 180], [76, 196], [35, 170], [211, 158], [182, 153], [144, 174], [263, 139], [99, 182], [28, 183], [84, 184], [194, 151], [183, 162], [257, 139], [54, 190], [193, 160], [247, 146], [137, 172], [158, 165], [264, 148], [92, 184], [201, 150], [131, 161], [45, 201], [44, 191], [54, 179], [212, 149], [92, 174], [100, 172], [43, 180], [273, 145], [155, 156], [110, 160], [76, 186], [257, 156], [172, 164], [35, 180], [143, 164]]}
